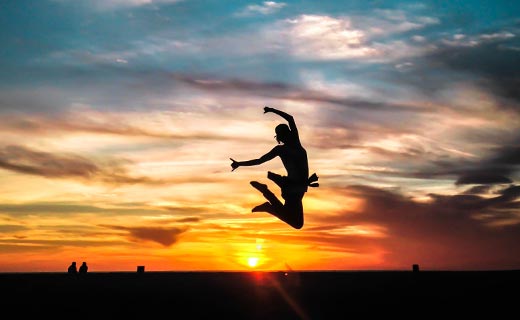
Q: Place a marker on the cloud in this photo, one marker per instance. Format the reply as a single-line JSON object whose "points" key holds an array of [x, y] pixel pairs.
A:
{"points": [[122, 4], [494, 169], [306, 37], [384, 22], [24, 160], [26, 248], [7, 228], [478, 190], [267, 7], [66, 209], [95, 122], [507, 155], [188, 219], [285, 91], [487, 58], [466, 231], [30, 245], [482, 178], [498, 165], [321, 37], [462, 40], [40, 99], [166, 236]]}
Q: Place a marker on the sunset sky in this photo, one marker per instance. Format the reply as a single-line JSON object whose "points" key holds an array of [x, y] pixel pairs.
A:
{"points": [[118, 119]]}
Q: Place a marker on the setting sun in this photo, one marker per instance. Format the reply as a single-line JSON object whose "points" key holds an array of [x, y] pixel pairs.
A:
{"points": [[252, 262]]}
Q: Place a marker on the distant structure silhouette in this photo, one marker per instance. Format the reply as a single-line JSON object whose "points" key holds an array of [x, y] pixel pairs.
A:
{"points": [[295, 184], [83, 268], [72, 268]]}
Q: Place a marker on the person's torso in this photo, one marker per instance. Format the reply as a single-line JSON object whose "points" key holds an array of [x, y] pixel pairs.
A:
{"points": [[294, 158]]}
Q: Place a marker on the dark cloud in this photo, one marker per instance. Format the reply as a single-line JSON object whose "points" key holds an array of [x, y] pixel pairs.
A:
{"points": [[452, 230], [188, 219], [499, 165], [507, 155], [478, 190], [508, 194], [166, 236], [495, 169], [24, 160], [488, 59], [7, 228], [482, 178], [492, 59]]}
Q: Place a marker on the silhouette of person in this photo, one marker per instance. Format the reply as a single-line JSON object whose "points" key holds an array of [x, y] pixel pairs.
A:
{"points": [[83, 268], [72, 268], [295, 184]]}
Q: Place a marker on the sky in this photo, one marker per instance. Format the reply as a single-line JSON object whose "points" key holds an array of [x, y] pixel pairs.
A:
{"points": [[118, 119]]}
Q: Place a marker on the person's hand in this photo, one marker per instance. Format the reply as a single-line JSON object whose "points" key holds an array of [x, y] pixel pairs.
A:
{"points": [[234, 164], [267, 109]]}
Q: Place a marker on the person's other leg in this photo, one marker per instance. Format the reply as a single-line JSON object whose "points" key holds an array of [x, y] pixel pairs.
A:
{"points": [[292, 212]]}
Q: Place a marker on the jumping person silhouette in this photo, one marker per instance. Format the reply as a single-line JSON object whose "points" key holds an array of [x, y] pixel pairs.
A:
{"points": [[295, 184]]}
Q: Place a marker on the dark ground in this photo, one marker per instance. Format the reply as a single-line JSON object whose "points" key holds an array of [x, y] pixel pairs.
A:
{"points": [[262, 295]]}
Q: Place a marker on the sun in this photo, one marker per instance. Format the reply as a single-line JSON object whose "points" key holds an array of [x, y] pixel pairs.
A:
{"points": [[252, 262]]}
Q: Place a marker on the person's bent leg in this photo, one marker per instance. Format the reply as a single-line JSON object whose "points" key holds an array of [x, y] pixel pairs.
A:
{"points": [[271, 197], [264, 207], [291, 212], [276, 178]]}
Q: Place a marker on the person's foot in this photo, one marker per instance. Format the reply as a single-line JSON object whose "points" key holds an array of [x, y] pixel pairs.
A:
{"points": [[264, 207], [259, 186]]}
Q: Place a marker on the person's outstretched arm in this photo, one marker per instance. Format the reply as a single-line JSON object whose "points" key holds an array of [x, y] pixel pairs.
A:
{"points": [[266, 157], [287, 117]]}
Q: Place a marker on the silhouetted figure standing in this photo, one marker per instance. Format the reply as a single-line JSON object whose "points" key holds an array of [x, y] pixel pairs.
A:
{"points": [[72, 268], [83, 268], [295, 184]]}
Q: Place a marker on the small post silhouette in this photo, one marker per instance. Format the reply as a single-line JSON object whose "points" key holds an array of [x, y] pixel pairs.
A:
{"points": [[415, 268], [140, 269]]}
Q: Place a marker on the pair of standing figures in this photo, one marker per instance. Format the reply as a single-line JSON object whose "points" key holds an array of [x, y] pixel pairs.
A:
{"points": [[73, 269], [295, 184]]}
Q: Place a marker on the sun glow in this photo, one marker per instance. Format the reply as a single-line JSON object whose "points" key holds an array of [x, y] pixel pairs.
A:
{"points": [[252, 262]]}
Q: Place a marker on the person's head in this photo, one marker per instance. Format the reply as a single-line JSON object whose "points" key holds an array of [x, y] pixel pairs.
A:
{"points": [[282, 133]]}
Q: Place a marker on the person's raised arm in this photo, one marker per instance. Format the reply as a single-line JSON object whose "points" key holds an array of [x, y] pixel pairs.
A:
{"points": [[287, 117], [266, 157]]}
